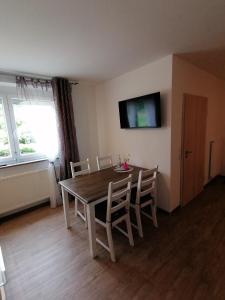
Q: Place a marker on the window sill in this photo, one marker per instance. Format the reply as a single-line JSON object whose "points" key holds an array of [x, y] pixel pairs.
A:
{"points": [[23, 163]]}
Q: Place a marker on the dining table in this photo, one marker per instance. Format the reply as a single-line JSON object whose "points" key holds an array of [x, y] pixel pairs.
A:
{"points": [[92, 189]]}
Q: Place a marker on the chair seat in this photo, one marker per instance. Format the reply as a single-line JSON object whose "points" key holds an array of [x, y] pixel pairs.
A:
{"points": [[101, 209], [142, 200]]}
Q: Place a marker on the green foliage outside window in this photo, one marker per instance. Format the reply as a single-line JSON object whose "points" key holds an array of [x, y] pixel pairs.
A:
{"points": [[27, 150]]}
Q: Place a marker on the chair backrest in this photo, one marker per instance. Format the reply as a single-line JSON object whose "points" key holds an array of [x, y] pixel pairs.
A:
{"points": [[83, 165], [147, 184], [118, 192], [104, 162]]}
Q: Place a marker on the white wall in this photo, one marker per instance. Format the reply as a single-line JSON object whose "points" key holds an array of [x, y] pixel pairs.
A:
{"points": [[84, 104], [187, 78], [147, 147]]}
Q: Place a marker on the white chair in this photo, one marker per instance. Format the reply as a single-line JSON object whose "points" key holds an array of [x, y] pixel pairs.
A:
{"points": [[84, 168], [116, 210], [104, 162], [2, 277], [145, 195]]}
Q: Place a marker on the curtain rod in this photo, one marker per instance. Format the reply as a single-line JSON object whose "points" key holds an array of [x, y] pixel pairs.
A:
{"points": [[73, 82]]}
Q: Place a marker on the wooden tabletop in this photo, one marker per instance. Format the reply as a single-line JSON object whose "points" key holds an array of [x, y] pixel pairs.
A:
{"points": [[94, 186]]}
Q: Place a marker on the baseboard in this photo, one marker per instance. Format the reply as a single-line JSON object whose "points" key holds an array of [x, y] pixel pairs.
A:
{"points": [[211, 180], [163, 211], [24, 209]]}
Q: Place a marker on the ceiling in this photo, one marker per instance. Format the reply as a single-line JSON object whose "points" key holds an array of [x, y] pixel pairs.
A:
{"points": [[212, 61], [101, 39]]}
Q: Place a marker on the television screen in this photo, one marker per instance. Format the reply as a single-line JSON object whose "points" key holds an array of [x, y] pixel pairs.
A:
{"points": [[141, 112]]}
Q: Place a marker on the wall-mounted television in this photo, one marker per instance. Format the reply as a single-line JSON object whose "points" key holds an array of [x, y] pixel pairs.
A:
{"points": [[141, 112]]}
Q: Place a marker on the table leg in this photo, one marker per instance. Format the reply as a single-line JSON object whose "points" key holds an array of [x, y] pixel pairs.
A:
{"points": [[91, 229], [66, 207]]}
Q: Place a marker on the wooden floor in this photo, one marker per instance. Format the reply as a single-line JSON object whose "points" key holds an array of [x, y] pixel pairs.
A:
{"points": [[183, 259]]}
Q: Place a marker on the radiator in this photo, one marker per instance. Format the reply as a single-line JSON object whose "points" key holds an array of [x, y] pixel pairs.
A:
{"points": [[23, 189]]}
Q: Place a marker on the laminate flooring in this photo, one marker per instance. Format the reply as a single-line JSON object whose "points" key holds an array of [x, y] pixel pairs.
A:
{"points": [[183, 259]]}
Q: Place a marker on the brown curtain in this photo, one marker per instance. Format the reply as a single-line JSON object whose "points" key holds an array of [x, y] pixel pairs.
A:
{"points": [[67, 133]]}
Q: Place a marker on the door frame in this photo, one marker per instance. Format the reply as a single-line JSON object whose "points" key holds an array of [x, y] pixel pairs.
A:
{"points": [[182, 143]]}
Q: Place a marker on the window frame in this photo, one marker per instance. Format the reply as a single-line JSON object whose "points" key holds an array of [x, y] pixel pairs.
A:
{"points": [[8, 97], [11, 158]]}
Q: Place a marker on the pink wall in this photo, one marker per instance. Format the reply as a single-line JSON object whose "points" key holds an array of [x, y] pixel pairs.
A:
{"points": [[173, 77], [147, 147], [187, 78]]}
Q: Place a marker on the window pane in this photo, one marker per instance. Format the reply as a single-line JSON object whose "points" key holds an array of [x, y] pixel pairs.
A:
{"points": [[5, 151], [35, 124]]}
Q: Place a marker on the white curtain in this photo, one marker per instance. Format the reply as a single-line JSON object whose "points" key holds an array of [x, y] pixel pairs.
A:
{"points": [[43, 124]]}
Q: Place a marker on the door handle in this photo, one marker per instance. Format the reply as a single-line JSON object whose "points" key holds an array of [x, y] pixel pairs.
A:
{"points": [[186, 153]]}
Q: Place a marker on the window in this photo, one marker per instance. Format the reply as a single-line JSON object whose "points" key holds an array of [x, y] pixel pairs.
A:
{"points": [[26, 129], [5, 149]]}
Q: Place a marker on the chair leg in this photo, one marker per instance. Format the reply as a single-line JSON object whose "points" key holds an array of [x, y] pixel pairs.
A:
{"points": [[129, 231], [76, 207], [110, 242], [138, 218], [154, 216], [85, 216]]}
